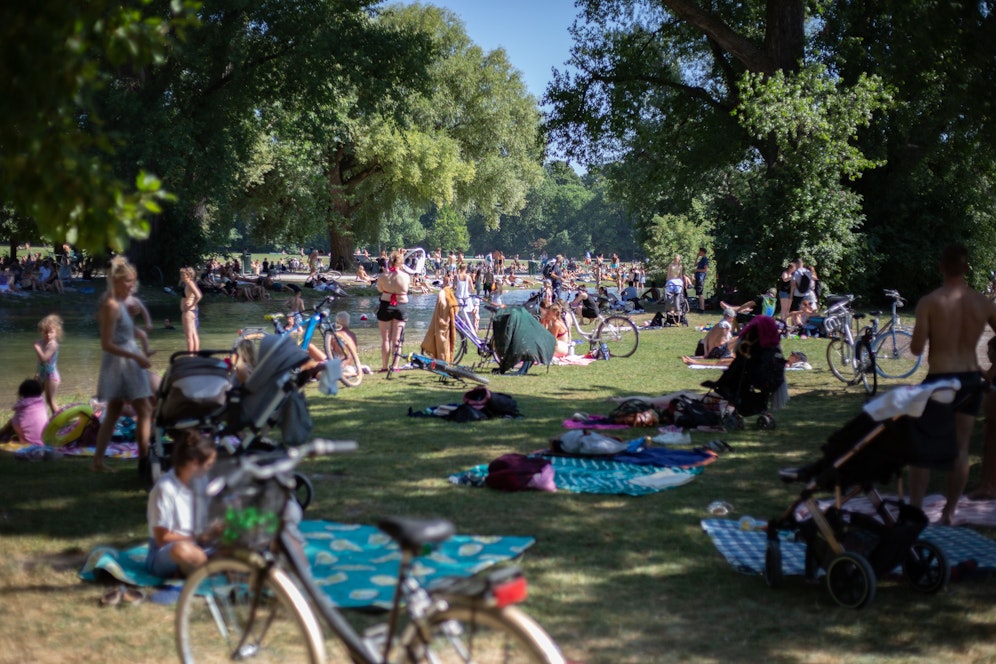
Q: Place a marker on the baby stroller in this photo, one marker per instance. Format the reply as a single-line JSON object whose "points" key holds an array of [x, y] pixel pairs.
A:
{"points": [[754, 383], [197, 393], [675, 303], [908, 425]]}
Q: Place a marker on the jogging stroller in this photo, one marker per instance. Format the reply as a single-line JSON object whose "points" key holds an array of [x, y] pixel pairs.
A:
{"points": [[675, 303], [908, 425], [754, 383], [197, 393]]}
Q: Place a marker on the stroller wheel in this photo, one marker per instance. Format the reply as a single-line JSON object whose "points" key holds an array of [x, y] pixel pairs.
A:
{"points": [[303, 490], [773, 564], [766, 421], [851, 580], [926, 567]]}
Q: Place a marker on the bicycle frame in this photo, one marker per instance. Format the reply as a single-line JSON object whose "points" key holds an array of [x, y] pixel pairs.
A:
{"points": [[284, 562]]}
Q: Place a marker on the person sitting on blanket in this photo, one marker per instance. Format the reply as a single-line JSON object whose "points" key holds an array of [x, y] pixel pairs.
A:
{"points": [[553, 320], [30, 415], [716, 344], [173, 548]]}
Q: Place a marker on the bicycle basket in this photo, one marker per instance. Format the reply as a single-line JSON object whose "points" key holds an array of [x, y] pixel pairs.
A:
{"points": [[246, 515]]}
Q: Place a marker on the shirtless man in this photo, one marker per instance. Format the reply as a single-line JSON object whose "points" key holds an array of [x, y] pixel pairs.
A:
{"points": [[952, 319], [717, 340]]}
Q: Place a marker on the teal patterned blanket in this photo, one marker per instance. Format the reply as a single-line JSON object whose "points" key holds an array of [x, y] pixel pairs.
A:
{"points": [[355, 565], [602, 476]]}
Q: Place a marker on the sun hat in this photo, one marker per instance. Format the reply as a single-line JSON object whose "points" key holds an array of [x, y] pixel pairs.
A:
{"points": [[729, 313]]}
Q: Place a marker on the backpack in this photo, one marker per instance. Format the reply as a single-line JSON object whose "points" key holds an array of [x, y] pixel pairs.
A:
{"points": [[691, 413], [548, 270], [517, 472], [805, 282]]}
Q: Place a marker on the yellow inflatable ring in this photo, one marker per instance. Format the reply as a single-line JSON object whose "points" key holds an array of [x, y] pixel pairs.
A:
{"points": [[67, 425]]}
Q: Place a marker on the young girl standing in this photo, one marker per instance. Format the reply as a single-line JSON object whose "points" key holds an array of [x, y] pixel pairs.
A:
{"points": [[47, 350], [188, 308]]}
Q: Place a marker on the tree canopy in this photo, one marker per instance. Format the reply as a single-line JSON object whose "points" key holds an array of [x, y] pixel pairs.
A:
{"points": [[780, 119]]}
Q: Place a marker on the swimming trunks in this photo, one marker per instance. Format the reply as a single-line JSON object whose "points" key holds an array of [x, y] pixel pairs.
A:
{"points": [[968, 399]]}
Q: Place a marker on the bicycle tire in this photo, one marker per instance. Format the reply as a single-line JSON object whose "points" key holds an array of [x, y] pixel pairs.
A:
{"points": [[461, 350], [461, 373], [865, 367], [620, 334], [216, 608], [345, 352], [393, 366], [304, 490], [893, 358], [840, 358], [462, 634]]}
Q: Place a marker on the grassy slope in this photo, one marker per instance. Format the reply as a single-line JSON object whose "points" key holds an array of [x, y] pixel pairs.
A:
{"points": [[614, 579]]}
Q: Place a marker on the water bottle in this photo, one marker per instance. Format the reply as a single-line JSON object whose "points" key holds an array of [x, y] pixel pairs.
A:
{"points": [[604, 350]]}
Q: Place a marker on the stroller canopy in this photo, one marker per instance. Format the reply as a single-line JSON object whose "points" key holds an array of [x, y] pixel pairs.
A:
{"points": [[519, 336]]}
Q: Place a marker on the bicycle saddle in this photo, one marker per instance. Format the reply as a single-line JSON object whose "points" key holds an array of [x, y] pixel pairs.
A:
{"points": [[413, 534]]}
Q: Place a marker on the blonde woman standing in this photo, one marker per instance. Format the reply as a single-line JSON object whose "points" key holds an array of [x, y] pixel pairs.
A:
{"points": [[122, 376]]}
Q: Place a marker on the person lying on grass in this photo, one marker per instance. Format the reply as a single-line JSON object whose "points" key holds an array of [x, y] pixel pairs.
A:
{"points": [[173, 548]]}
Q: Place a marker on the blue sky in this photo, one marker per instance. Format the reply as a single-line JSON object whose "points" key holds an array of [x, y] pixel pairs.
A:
{"points": [[532, 32]]}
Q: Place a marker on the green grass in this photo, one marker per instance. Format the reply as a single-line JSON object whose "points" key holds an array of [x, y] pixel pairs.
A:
{"points": [[614, 579]]}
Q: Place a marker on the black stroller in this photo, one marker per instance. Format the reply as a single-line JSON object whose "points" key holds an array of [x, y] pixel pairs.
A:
{"points": [[908, 425], [197, 393], [756, 374]]}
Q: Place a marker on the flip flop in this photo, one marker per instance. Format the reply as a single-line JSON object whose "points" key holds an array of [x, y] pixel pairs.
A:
{"points": [[132, 596], [112, 597]]}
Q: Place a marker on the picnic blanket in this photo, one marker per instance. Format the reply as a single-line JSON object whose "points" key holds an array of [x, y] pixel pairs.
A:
{"points": [[601, 476], [744, 549], [349, 562], [969, 512]]}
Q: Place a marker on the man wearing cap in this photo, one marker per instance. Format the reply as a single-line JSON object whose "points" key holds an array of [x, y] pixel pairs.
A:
{"points": [[717, 341]]}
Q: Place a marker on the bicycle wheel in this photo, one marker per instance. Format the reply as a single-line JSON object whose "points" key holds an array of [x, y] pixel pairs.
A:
{"points": [[620, 334], [461, 373], [461, 349], [865, 367], [216, 621], [893, 358], [840, 358], [482, 635], [352, 370], [397, 355]]}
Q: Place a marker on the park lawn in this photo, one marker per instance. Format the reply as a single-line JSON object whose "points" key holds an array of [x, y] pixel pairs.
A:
{"points": [[614, 579]]}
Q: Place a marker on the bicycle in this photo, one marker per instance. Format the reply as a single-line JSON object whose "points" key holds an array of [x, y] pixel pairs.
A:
{"points": [[891, 345], [851, 360], [616, 332], [332, 342], [444, 370], [255, 598], [469, 336]]}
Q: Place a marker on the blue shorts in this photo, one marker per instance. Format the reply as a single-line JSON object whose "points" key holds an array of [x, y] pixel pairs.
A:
{"points": [[159, 562], [968, 399]]}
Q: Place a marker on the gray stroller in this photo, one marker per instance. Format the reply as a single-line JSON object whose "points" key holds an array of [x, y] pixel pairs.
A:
{"points": [[197, 392]]}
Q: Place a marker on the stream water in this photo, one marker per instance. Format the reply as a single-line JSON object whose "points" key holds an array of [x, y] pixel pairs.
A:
{"points": [[221, 318]]}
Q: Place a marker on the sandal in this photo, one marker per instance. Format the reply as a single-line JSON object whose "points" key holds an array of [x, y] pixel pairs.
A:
{"points": [[132, 596], [112, 597]]}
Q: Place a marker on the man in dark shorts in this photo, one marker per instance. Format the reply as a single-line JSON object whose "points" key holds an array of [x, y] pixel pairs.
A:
{"points": [[952, 319], [701, 269]]}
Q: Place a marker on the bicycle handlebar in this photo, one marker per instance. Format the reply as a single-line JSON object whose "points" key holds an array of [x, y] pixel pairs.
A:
{"points": [[894, 294], [271, 464]]}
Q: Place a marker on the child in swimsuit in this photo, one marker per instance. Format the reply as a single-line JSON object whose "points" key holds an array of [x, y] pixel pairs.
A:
{"points": [[47, 350]]}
